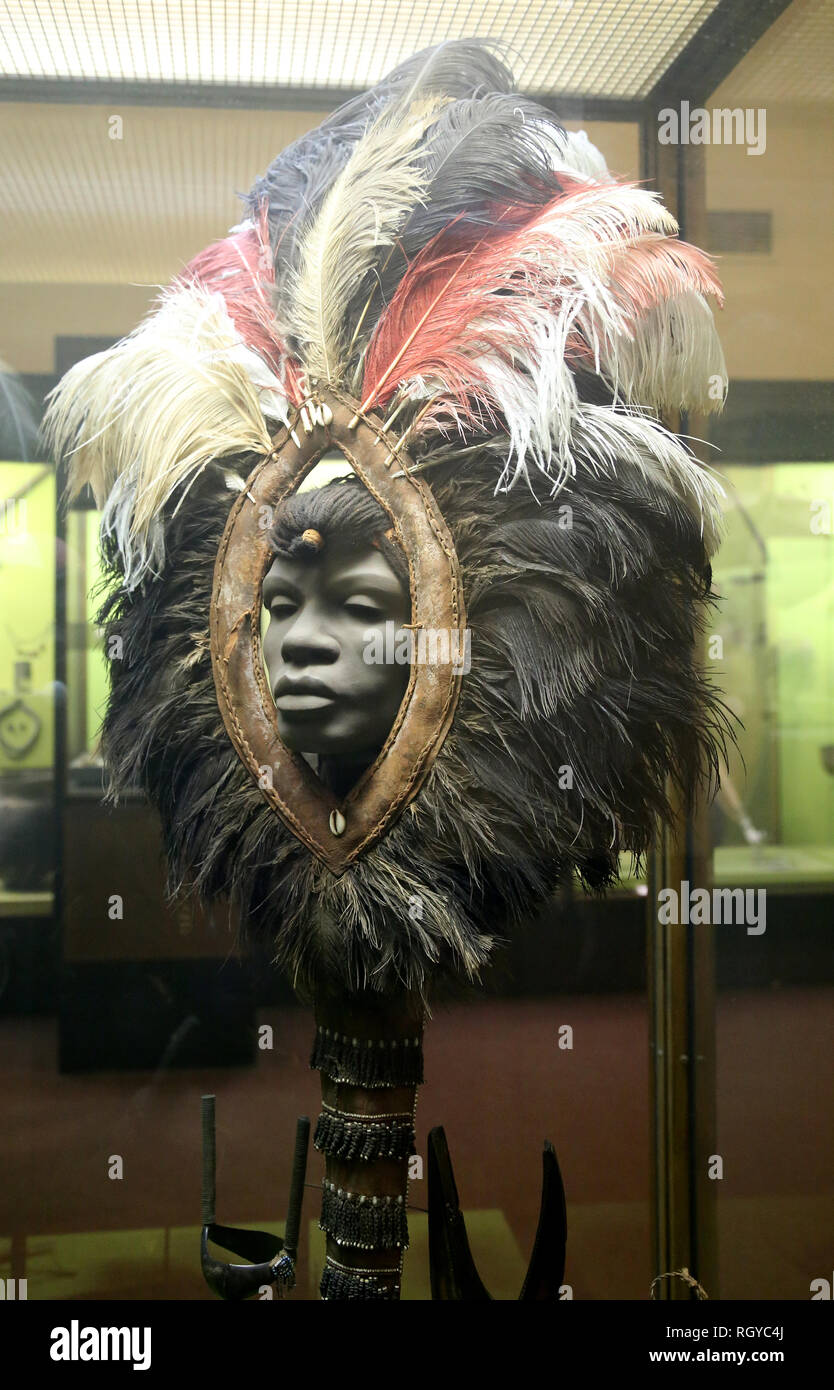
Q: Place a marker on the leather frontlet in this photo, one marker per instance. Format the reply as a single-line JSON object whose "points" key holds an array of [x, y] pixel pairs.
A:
{"points": [[336, 831]]}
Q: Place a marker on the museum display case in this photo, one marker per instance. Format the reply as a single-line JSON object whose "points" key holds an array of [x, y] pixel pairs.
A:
{"points": [[677, 1059]]}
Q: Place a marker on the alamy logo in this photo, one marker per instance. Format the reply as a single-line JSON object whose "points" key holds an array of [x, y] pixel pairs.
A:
{"points": [[405, 646], [721, 126], [77, 1343], [700, 907]]}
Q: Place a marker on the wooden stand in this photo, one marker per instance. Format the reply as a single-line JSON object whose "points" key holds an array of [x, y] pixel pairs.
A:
{"points": [[369, 1053]]}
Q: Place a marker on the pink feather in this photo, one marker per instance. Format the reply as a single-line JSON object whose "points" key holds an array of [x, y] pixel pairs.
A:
{"points": [[472, 293], [241, 269]]}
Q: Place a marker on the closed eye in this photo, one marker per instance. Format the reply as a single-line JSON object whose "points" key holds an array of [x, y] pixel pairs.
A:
{"points": [[363, 607], [281, 607]]}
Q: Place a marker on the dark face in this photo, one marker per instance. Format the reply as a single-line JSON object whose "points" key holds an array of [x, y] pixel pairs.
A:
{"points": [[322, 615]]}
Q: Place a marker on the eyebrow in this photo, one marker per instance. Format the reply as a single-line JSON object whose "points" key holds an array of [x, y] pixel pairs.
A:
{"points": [[275, 584], [356, 577], [367, 581]]}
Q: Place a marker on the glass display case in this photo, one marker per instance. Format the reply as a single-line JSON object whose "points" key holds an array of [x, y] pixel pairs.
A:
{"points": [[682, 1070]]}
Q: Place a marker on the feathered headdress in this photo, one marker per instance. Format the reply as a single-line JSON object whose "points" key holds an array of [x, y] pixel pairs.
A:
{"points": [[447, 266], [443, 252]]}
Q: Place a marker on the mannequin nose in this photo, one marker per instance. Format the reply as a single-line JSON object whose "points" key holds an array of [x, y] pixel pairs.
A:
{"points": [[306, 641]]}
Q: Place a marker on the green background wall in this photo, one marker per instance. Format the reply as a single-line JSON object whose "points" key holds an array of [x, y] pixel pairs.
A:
{"points": [[775, 572], [27, 600], [777, 621]]}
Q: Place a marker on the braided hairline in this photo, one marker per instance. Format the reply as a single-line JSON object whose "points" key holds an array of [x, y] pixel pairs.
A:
{"points": [[342, 513]]}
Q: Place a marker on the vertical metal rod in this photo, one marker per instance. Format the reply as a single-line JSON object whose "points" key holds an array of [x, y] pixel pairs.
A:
{"points": [[299, 1172], [680, 957], [209, 1160]]}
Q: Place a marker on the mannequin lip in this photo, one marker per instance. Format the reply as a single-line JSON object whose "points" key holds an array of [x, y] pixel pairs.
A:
{"points": [[303, 696], [302, 704]]}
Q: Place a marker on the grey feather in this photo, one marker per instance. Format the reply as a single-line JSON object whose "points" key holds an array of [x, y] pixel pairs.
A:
{"points": [[479, 151], [296, 183], [583, 646]]}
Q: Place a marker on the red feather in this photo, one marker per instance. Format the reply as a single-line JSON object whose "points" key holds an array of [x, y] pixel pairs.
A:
{"points": [[529, 258], [241, 269], [418, 331], [659, 267]]}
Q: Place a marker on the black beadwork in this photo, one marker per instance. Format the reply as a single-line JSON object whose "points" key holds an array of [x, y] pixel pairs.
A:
{"points": [[337, 1284], [349, 1138], [365, 1223], [368, 1061]]}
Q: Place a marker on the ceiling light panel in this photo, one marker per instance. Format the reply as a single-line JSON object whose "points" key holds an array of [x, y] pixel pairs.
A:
{"points": [[614, 49]]}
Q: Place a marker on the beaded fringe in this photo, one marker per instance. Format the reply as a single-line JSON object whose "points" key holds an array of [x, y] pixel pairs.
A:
{"points": [[349, 1138], [368, 1061], [366, 1223], [335, 1283]]}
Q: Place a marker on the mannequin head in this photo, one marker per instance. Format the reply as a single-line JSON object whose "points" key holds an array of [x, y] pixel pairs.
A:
{"points": [[335, 579]]}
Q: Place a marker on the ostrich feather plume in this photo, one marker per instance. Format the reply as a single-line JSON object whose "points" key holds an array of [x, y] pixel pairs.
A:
{"points": [[140, 421], [299, 179], [362, 212], [441, 250], [490, 329], [241, 269]]}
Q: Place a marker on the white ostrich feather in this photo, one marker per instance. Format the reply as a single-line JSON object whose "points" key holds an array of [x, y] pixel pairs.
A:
{"points": [[597, 281], [672, 358], [572, 152], [139, 422], [379, 186], [609, 440]]}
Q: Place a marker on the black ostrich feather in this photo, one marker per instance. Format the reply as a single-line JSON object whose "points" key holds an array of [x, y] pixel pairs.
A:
{"points": [[583, 659], [297, 181], [556, 341]]}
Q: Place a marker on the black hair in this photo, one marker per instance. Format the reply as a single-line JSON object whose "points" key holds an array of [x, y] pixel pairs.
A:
{"points": [[345, 514]]}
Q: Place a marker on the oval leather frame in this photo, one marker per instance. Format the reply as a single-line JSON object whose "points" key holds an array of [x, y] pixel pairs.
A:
{"points": [[245, 701]]}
